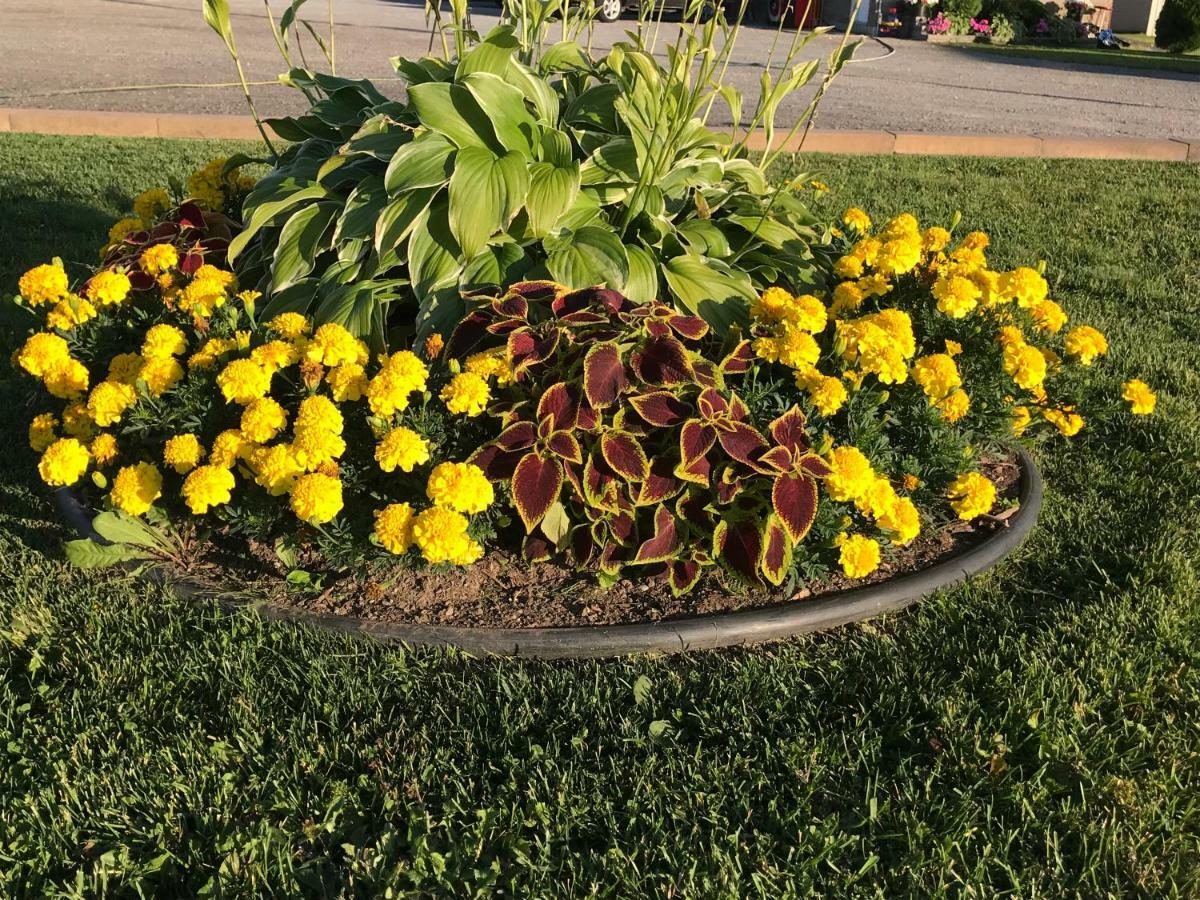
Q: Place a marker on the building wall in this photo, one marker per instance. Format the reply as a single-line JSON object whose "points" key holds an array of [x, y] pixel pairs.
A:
{"points": [[1135, 15]]}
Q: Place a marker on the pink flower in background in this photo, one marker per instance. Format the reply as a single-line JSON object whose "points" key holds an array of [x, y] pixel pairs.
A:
{"points": [[981, 26], [1042, 26], [939, 24]]}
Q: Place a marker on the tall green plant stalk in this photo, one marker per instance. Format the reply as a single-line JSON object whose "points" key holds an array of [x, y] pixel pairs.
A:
{"points": [[216, 14]]}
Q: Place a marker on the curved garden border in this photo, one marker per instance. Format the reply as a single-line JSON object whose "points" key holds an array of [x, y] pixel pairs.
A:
{"points": [[696, 633]]}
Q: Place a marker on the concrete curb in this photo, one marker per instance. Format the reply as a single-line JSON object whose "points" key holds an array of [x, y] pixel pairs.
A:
{"points": [[174, 125]]}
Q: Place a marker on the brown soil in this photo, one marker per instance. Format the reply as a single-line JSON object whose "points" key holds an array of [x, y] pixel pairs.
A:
{"points": [[504, 591]]}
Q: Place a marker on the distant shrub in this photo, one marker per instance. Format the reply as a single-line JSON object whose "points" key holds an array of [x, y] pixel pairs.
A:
{"points": [[1178, 28], [963, 9]]}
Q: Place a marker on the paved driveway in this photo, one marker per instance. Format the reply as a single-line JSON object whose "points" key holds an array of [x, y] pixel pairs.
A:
{"points": [[71, 54]]}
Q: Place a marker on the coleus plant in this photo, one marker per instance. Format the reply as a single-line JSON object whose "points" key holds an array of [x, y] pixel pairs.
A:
{"points": [[199, 236], [624, 446]]}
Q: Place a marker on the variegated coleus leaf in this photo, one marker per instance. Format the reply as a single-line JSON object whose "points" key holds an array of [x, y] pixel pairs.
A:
{"points": [[536, 483], [794, 499], [604, 378], [776, 556], [664, 543]]}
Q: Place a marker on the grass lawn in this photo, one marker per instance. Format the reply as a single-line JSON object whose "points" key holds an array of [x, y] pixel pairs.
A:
{"points": [[1034, 733], [1129, 58]]}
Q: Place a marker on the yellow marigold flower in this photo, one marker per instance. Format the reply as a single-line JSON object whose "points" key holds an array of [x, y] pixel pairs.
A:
{"points": [[183, 453], [165, 282], [467, 394], [403, 449], [230, 446], [63, 462], [434, 344], [797, 349], [108, 288], [108, 401], [262, 419], [1048, 316], [898, 256], [971, 495], [122, 228], [67, 379], [848, 267], [857, 219], [988, 283], [202, 296], [332, 345], [43, 284], [160, 375], [902, 227], [275, 355], [878, 498], [290, 325], [954, 406], [441, 534], [937, 375], [159, 259], [901, 521], [1025, 286], [348, 382], [859, 556], [316, 498], [976, 240], [934, 239], [1085, 343], [206, 487], [276, 468], [1020, 420], [911, 482], [1025, 364], [461, 487], [819, 186], [1140, 398], [825, 392], [1009, 335], [879, 352], [491, 364], [163, 341], [807, 313], [956, 296], [401, 375], [70, 312], [1066, 420], [243, 381], [851, 474], [766, 348], [42, 352], [206, 357], [136, 488], [771, 305], [394, 527], [867, 250], [847, 297], [874, 285], [150, 205], [104, 449], [314, 447], [77, 422], [42, 431], [319, 413], [249, 298]]}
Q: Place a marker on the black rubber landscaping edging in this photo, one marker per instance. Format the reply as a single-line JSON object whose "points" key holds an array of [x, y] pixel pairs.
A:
{"points": [[706, 632]]}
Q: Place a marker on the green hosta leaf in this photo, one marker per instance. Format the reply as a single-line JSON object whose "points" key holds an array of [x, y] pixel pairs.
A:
{"points": [[485, 193], [120, 528], [710, 289], [705, 238], [492, 54], [300, 240], [351, 306], [614, 162], [552, 190], [89, 555], [565, 56], [399, 217], [536, 90], [426, 161], [500, 264], [297, 298], [433, 253], [642, 283], [362, 210], [747, 173], [451, 110], [504, 105], [556, 148], [440, 310], [766, 229], [282, 196], [216, 14], [590, 256]]}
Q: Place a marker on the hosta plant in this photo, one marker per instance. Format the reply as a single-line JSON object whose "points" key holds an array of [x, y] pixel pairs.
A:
{"points": [[625, 445]]}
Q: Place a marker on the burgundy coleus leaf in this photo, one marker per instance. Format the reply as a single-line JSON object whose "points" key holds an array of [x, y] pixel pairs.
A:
{"points": [[564, 445], [665, 541], [139, 280], [683, 575], [536, 484], [612, 557], [778, 458], [497, 463], [467, 334], [661, 409], [729, 486], [190, 215], [661, 484], [743, 443], [588, 418], [691, 328], [583, 317], [537, 548], [789, 431], [794, 499], [776, 552], [191, 263], [738, 545], [620, 527], [711, 404], [583, 547], [518, 436], [625, 455], [511, 306], [814, 465], [603, 375], [738, 410], [663, 362], [536, 290], [599, 484], [692, 508], [163, 230], [527, 348], [596, 299], [696, 438], [657, 327], [573, 473], [559, 406], [738, 360], [697, 471]]}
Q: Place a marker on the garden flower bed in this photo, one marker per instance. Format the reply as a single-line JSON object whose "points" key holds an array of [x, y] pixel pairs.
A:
{"points": [[540, 323]]}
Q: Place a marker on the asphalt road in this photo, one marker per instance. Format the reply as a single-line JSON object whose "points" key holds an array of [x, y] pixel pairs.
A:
{"points": [[117, 54]]}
